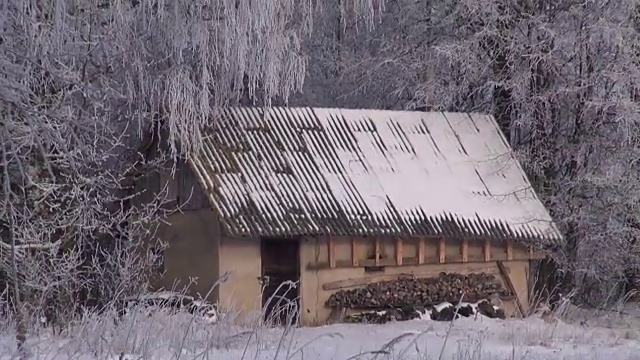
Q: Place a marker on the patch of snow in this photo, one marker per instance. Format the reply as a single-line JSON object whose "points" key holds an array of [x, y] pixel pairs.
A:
{"points": [[165, 337], [424, 314], [442, 306], [474, 306]]}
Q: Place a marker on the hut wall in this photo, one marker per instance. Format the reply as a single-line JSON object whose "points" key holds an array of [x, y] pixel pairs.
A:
{"points": [[199, 251], [241, 293], [192, 251]]}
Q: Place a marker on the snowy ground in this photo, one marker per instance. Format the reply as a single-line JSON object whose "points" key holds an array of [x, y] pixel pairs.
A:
{"points": [[582, 336]]}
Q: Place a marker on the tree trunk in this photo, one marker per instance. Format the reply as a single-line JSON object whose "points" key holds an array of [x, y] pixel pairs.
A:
{"points": [[21, 328]]}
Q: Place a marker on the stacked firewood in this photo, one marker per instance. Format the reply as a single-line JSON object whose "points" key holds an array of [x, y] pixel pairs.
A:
{"points": [[419, 292]]}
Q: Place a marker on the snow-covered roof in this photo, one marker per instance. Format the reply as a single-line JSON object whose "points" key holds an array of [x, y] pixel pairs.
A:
{"points": [[304, 171]]}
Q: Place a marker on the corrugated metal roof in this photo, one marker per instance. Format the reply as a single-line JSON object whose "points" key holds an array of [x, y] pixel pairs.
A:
{"points": [[296, 171]]}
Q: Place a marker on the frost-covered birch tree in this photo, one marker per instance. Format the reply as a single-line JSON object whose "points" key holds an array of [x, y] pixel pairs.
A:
{"points": [[84, 85], [561, 78]]}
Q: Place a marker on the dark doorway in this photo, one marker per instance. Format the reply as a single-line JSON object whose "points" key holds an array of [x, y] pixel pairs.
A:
{"points": [[280, 265]]}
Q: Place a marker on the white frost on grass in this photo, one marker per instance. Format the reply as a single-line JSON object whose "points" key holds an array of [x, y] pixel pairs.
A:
{"points": [[164, 336]]}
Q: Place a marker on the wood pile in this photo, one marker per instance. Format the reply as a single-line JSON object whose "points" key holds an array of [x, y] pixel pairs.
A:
{"points": [[406, 292], [441, 312], [383, 316]]}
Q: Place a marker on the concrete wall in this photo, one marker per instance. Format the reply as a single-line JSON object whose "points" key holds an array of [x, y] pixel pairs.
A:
{"points": [[193, 246], [197, 249], [242, 291], [313, 296]]}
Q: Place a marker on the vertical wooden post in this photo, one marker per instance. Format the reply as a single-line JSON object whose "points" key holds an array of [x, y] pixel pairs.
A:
{"points": [[354, 251], [376, 251], [399, 251], [509, 250], [420, 250], [507, 279], [486, 249], [464, 250], [442, 250], [332, 252]]}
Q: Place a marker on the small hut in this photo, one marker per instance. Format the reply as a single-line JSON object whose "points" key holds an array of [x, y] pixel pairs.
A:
{"points": [[339, 199]]}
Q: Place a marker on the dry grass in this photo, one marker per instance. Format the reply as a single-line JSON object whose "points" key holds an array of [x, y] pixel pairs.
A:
{"points": [[161, 334]]}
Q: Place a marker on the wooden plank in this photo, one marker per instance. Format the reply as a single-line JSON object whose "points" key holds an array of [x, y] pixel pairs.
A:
{"points": [[420, 251], [464, 250], [410, 261], [537, 256], [399, 251], [386, 262], [381, 262], [362, 281], [442, 251], [347, 283], [486, 249], [376, 251], [512, 288], [332, 252], [354, 251], [509, 250]]}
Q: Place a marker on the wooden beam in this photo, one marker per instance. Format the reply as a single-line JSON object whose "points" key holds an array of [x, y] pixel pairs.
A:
{"points": [[355, 282], [509, 250], [384, 261], [510, 286], [464, 250], [354, 251], [424, 273], [420, 251], [442, 250], [332, 252], [399, 251], [376, 251], [486, 249], [537, 256]]}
